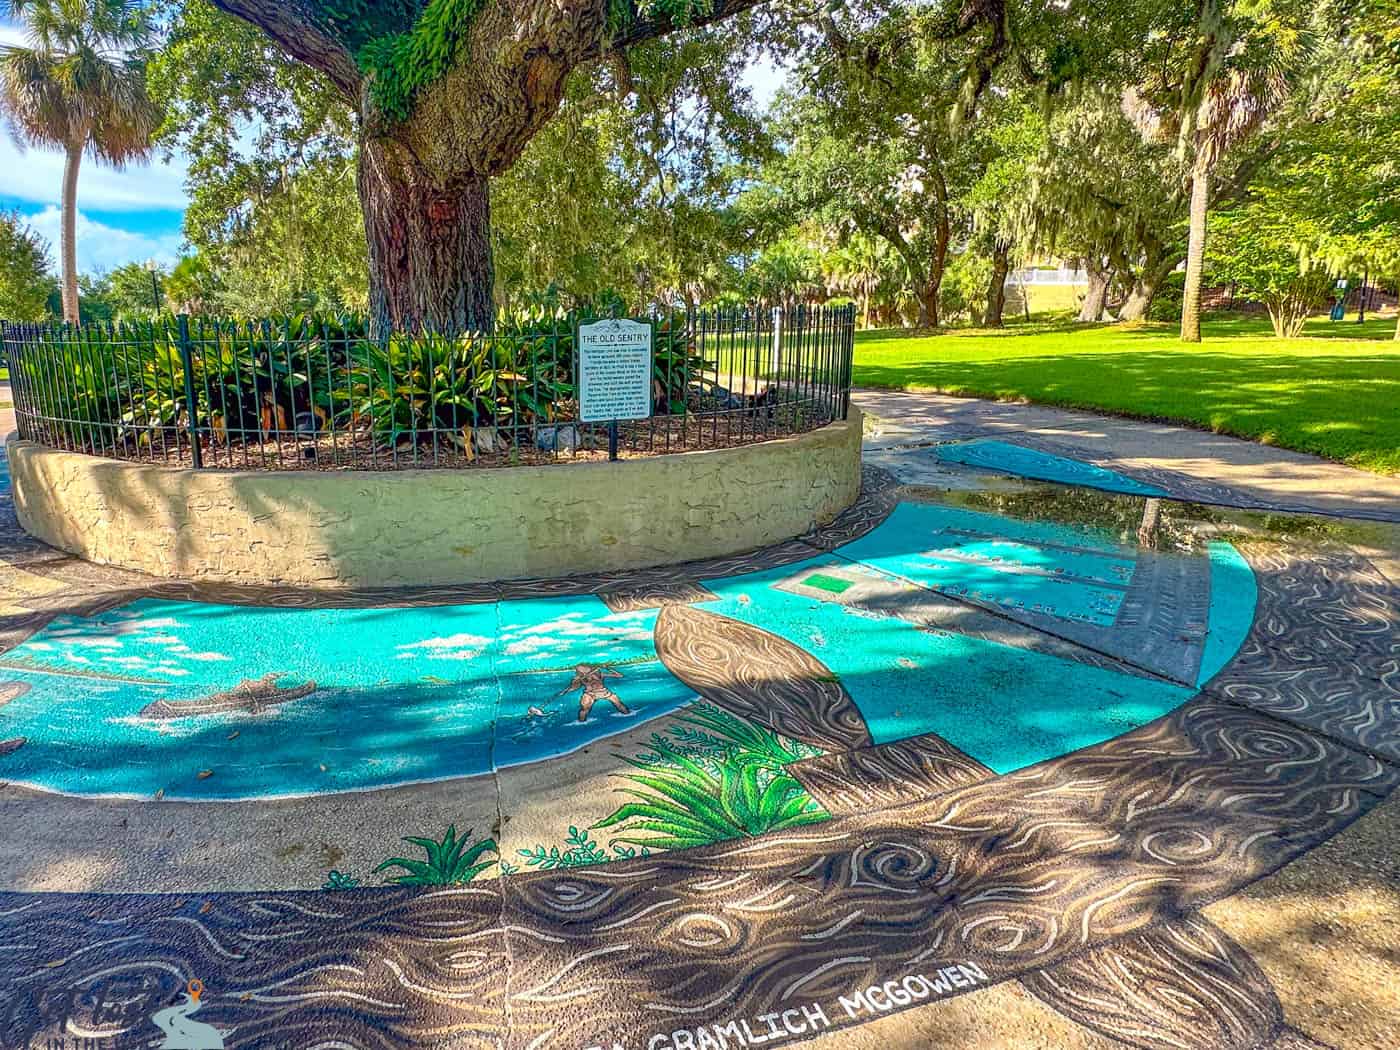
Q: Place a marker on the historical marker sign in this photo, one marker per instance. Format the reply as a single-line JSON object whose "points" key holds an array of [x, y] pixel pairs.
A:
{"points": [[614, 371]]}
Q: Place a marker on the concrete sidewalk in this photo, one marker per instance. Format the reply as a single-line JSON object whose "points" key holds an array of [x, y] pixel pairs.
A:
{"points": [[1262, 475]]}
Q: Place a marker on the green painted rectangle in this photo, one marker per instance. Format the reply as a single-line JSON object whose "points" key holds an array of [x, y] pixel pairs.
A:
{"points": [[823, 582]]}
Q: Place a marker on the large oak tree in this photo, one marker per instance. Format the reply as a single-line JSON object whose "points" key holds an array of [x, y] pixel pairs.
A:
{"points": [[448, 93]]}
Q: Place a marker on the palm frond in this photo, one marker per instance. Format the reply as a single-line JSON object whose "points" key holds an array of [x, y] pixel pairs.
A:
{"points": [[450, 860], [687, 805]]}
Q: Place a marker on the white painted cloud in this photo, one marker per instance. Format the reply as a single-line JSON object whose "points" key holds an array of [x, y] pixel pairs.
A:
{"points": [[628, 626], [103, 247], [448, 647], [451, 641], [529, 645]]}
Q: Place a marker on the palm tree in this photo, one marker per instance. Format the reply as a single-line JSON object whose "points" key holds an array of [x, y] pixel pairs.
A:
{"points": [[854, 269], [1232, 107], [1214, 95], [80, 87]]}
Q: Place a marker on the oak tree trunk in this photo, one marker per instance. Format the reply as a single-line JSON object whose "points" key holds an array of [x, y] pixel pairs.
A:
{"points": [[928, 302], [429, 244], [68, 237], [1195, 254], [942, 237], [425, 159], [930, 287], [1096, 296], [996, 287], [1138, 305], [1139, 300]]}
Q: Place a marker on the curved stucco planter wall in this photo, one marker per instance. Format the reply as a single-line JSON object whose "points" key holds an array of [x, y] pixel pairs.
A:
{"points": [[413, 527]]}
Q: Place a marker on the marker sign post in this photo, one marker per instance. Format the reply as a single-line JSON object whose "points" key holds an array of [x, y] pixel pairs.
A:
{"points": [[614, 374]]}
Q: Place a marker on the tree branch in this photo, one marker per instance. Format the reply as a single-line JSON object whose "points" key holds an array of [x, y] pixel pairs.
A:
{"points": [[643, 29], [1229, 190], [301, 38]]}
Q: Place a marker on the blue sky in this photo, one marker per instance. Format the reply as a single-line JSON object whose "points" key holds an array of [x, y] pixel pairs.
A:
{"points": [[123, 215], [134, 215]]}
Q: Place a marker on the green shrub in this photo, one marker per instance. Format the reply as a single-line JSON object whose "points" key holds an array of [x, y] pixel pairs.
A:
{"points": [[124, 384], [1166, 304], [449, 862]]}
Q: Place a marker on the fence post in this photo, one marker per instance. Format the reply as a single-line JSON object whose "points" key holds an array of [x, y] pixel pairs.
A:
{"points": [[848, 353], [187, 366], [777, 339]]}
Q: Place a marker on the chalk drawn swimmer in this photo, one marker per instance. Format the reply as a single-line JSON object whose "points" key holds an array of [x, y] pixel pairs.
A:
{"points": [[589, 678]]}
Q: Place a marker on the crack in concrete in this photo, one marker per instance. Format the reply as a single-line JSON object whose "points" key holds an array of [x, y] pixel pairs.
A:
{"points": [[499, 834]]}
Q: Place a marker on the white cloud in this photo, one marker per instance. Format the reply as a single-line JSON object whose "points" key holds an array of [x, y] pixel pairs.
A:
{"points": [[529, 645], [103, 247], [36, 175], [626, 626], [448, 647]]}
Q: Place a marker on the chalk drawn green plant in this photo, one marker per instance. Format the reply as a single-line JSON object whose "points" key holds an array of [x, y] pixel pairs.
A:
{"points": [[449, 862], [581, 849], [710, 776], [707, 731], [682, 803], [340, 880]]}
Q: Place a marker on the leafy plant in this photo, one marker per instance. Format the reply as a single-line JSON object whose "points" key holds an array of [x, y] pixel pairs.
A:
{"points": [[1257, 252], [681, 804], [449, 862], [416, 384], [582, 849], [125, 384], [708, 726], [404, 63], [340, 880]]}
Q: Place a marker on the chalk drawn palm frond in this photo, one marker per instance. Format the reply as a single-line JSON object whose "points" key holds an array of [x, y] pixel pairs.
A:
{"points": [[448, 862], [749, 741], [684, 804]]}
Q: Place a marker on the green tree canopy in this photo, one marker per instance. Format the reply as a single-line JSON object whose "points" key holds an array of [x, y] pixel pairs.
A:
{"points": [[25, 281]]}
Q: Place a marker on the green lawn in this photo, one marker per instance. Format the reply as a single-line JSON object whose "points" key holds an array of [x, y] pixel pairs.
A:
{"points": [[1334, 392]]}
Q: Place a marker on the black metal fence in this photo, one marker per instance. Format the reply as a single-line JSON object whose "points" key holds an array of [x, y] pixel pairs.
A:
{"points": [[306, 393]]}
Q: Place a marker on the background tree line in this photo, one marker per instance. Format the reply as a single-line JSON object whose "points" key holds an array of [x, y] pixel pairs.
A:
{"points": [[914, 156]]}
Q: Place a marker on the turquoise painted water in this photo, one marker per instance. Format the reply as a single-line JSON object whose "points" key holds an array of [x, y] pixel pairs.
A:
{"points": [[1005, 707], [1233, 593], [1065, 571], [404, 695], [410, 695], [1008, 458]]}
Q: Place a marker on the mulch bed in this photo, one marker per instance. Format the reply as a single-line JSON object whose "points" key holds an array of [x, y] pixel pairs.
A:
{"points": [[581, 443]]}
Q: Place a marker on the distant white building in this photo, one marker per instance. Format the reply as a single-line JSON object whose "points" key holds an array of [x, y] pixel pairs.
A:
{"points": [[1061, 274]]}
